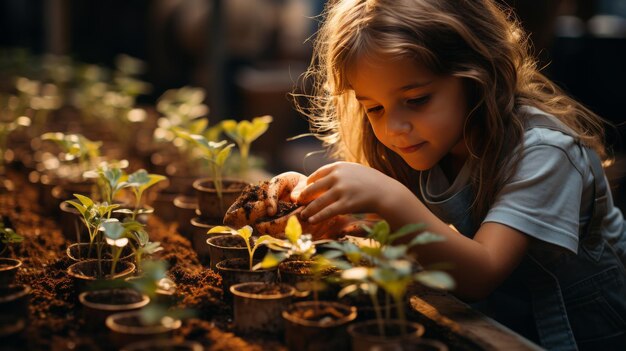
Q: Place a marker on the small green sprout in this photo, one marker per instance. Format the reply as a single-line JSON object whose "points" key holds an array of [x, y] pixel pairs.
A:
{"points": [[246, 234], [138, 182], [7, 237], [216, 153], [130, 232], [75, 147], [5, 129], [244, 133]]}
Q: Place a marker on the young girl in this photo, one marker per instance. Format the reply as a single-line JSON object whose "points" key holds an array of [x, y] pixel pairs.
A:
{"points": [[442, 118]]}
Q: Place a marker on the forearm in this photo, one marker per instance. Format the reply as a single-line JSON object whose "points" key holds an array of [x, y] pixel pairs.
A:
{"points": [[474, 269]]}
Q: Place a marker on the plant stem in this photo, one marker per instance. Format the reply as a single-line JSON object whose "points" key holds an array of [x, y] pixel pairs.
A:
{"points": [[379, 316], [116, 255], [244, 151]]}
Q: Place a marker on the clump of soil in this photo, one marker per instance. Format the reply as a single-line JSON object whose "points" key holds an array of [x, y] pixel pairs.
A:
{"points": [[231, 241], [324, 314]]}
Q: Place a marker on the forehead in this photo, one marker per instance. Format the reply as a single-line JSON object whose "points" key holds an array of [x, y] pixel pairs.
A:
{"points": [[384, 72]]}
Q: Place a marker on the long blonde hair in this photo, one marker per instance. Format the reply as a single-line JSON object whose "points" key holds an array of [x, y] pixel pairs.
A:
{"points": [[475, 40]]}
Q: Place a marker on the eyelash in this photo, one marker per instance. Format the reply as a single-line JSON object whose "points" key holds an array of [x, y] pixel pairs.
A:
{"points": [[417, 102]]}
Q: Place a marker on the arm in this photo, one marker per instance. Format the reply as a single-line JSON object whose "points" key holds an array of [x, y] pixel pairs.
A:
{"points": [[480, 264]]}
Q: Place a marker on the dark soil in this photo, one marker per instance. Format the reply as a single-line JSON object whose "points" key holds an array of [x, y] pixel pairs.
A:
{"points": [[254, 193], [230, 241], [303, 268], [55, 321], [284, 208]]}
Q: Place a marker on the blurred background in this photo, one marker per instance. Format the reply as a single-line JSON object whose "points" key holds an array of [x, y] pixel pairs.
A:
{"points": [[248, 54]]}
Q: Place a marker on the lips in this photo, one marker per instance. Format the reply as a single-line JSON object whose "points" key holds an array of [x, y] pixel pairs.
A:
{"points": [[411, 148]]}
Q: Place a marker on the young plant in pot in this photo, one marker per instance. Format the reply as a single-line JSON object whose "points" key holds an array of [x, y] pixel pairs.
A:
{"points": [[139, 182], [121, 295], [309, 325], [8, 266], [64, 172], [215, 194], [239, 270], [385, 266], [115, 235], [243, 133], [7, 128]]}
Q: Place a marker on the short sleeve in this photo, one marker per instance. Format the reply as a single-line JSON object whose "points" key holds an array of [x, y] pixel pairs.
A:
{"points": [[543, 197]]}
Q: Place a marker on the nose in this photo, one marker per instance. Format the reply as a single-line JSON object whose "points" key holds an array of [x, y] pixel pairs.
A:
{"points": [[398, 122]]}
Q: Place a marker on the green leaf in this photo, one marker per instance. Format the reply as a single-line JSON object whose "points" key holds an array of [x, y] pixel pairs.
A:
{"points": [[82, 209], [113, 229], [270, 260], [436, 279], [223, 154], [293, 230], [221, 229], [87, 202], [245, 232], [426, 238], [405, 230]]}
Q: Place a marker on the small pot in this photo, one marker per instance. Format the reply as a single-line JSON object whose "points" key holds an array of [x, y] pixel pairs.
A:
{"points": [[198, 237], [300, 275], [165, 290], [85, 272], [72, 227], [99, 304], [324, 328], [127, 328], [170, 345], [209, 205], [13, 308], [237, 270], [184, 210], [258, 306], [420, 344], [80, 252], [366, 335], [222, 247], [163, 204], [8, 269]]}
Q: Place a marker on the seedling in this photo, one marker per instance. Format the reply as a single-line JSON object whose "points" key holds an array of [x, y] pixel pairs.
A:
{"points": [[244, 133], [110, 182], [7, 237], [119, 234], [216, 153], [5, 129], [76, 148], [246, 234], [138, 182], [385, 265]]}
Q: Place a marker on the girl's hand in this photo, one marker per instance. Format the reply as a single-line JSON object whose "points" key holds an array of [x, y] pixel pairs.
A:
{"points": [[285, 186], [343, 188]]}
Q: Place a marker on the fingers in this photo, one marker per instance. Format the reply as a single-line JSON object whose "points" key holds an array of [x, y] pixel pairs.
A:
{"points": [[322, 208], [279, 185]]}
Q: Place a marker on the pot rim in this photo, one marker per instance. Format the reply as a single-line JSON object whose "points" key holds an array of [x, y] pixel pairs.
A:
{"points": [[351, 314], [111, 323], [220, 266], [13, 262], [76, 275], [233, 289], [82, 297], [68, 251], [210, 243], [141, 345], [418, 333], [198, 184], [24, 290], [179, 202]]}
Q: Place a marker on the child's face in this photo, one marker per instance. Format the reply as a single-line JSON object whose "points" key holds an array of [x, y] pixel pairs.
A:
{"points": [[413, 112]]}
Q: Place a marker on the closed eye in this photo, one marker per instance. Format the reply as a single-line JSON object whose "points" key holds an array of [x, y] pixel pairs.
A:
{"points": [[374, 109], [419, 101]]}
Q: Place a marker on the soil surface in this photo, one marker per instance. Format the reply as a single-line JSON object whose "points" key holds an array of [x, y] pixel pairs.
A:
{"points": [[324, 315], [55, 318], [264, 289]]}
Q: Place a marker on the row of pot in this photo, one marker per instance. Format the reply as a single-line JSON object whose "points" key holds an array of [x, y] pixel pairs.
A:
{"points": [[14, 299], [261, 305]]}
